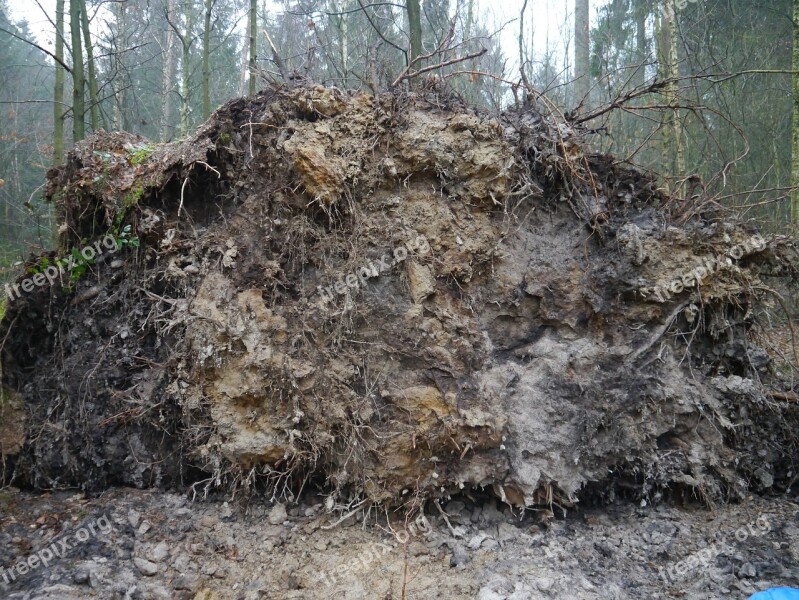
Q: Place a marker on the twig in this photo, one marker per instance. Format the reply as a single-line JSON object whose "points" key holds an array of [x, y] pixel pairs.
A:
{"points": [[406, 74], [377, 29], [209, 167], [787, 396], [281, 66], [182, 188], [658, 334], [92, 292], [347, 516], [37, 46], [446, 519]]}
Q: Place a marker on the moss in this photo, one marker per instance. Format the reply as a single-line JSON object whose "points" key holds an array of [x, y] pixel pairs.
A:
{"points": [[141, 155], [132, 197], [5, 397], [129, 200], [225, 138]]}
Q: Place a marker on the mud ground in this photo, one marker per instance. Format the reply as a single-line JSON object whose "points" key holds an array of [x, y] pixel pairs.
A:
{"points": [[166, 546]]}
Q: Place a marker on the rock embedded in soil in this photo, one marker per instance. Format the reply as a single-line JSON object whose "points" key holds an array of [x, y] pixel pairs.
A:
{"points": [[145, 567]]}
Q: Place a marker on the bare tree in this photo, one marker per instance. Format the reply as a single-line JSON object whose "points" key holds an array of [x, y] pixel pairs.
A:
{"points": [[669, 69], [253, 44], [168, 80], [58, 93], [209, 7], [795, 124], [94, 103], [415, 27], [187, 39], [582, 51], [78, 82]]}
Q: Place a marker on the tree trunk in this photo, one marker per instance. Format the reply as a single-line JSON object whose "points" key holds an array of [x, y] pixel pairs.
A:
{"points": [[795, 126], [245, 53], [78, 83], [185, 74], [674, 138], [119, 92], [168, 81], [94, 105], [209, 5], [469, 19], [58, 92], [582, 51], [415, 27], [253, 44], [345, 52], [641, 43], [677, 117], [185, 69]]}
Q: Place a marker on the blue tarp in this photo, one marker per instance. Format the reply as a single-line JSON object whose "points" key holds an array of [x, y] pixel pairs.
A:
{"points": [[777, 594]]}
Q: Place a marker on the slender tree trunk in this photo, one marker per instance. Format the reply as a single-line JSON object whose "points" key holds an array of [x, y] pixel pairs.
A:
{"points": [[253, 44], [58, 93], [119, 92], [415, 27], [674, 146], [467, 33], [78, 83], [795, 126], [94, 105], [677, 118], [185, 70], [209, 5], [641, 43], [168, 81], [414, 11], [185, 76], [345, 51], [245, 64], [582, 51]]}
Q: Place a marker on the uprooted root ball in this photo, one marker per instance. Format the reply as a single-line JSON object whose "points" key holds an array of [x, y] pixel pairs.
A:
{"points": [[396, 297]]}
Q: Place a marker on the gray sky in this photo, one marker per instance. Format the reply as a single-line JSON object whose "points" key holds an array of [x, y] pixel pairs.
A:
{"points": [[549, 22]]}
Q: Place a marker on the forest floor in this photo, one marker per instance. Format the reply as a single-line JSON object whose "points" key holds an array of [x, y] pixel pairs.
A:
{"points": [[142, 544]]}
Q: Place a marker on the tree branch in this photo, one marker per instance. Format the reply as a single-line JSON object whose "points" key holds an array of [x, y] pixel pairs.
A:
{"points": [[410, 75], [38, 47], [380, 33], [281, 66]]}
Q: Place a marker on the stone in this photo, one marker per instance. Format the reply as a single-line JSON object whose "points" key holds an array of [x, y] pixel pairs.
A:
{"points": [[134, 518], [477, 541], [459, 556], [487, 593], [278, 514], [544, 584], [747, 571], [81, 575], [145, 567], [159, 553], [186, 582], [209, 521], [143, 528]]}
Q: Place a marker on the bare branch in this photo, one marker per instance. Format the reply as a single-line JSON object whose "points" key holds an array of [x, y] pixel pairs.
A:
{"points": [[38, 47], [380, 33], [409, 75], [346, 12], [49, 20], [281, 66]]}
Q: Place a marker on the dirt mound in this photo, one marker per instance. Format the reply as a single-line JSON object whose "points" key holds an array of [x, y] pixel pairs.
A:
{"points": [[398, 297]]}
